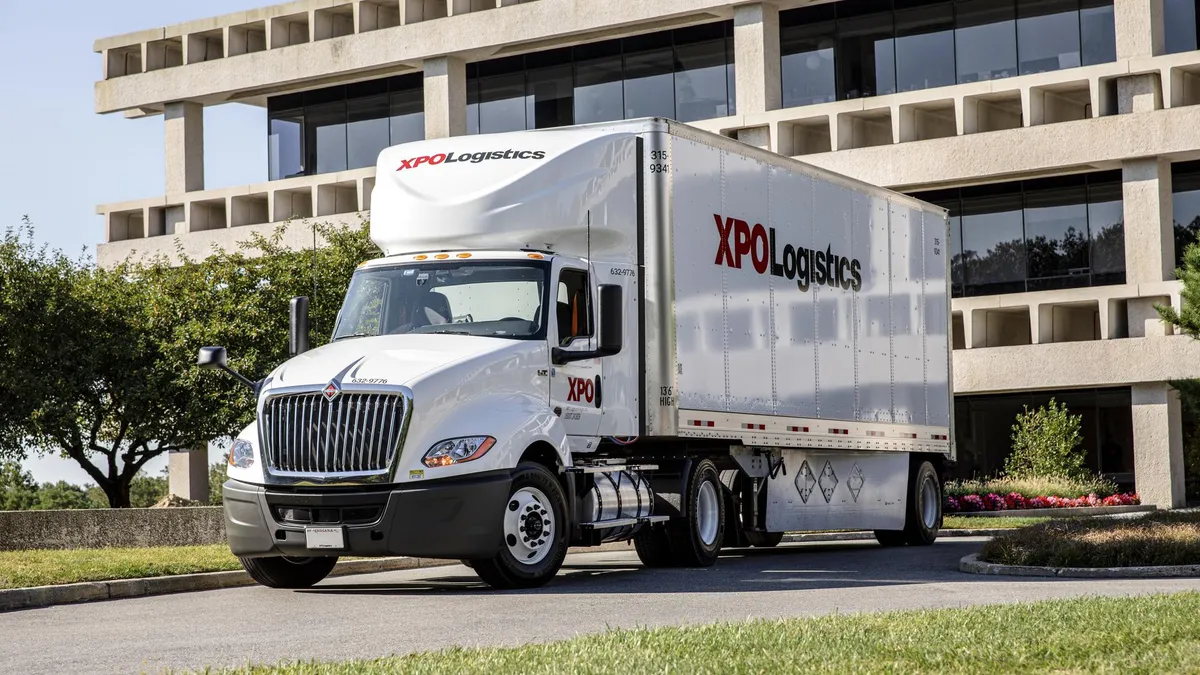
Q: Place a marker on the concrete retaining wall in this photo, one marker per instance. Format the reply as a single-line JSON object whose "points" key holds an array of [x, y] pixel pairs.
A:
{"points": [[101, 528]]}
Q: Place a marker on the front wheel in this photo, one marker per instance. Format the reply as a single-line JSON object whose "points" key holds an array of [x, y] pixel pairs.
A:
{"points": [[288, 572], [535, 532]]}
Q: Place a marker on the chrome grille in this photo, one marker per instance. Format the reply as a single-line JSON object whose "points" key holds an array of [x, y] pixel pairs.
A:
{"points": [[353, 433]]}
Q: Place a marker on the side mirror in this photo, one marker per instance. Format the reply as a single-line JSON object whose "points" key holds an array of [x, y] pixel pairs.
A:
{"points": [[215, 358], [612, 320], [298, 326], [212, 357], [612, 330]]}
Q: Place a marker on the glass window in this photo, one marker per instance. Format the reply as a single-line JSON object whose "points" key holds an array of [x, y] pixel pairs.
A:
{"points": [[367, 130], [502, 103], [407, 115], [701, 85], [1106, 228], [598, 89], [285, 149], [1056, 237], [956, 252], [1180, 19], [731, 75], [1048, 35], [649, 76], [985, 40], [1186, 204], [548, 97], [326, 127], [993, 245], [574, 311], [925, 47], [807, 65], [1097, 28], [866, 56]]}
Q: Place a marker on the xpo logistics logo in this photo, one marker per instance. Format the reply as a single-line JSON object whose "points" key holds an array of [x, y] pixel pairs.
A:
{"points": [[580, 389], [472, 157], [805, 266]]}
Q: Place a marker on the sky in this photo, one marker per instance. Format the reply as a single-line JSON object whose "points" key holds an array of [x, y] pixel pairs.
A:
{"points": [[59, 159]]}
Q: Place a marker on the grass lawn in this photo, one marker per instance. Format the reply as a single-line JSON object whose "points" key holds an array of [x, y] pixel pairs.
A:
{"points": [[1160, 538], [1126, 635], [20, 569], [1003, 522]]}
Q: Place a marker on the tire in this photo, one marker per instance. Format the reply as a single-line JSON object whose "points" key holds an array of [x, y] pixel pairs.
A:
{"points": [[696, 540], [535, 501], [731, 489], [287, 572], [922, 511], [653, 545], [764, 539]]}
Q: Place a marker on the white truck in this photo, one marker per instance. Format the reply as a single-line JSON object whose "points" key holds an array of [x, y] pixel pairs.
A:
{"points": [[635, 330]]}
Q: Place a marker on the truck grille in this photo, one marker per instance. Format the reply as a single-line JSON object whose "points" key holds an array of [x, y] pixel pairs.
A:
{"points": [[353, 433]]}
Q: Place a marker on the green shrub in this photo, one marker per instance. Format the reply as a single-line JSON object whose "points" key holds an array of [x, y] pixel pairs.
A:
{"points": [[1070, 488], [1045, 444]]}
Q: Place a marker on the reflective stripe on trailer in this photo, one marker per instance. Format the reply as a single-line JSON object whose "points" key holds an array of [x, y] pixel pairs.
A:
{"points": [[840, 432], [802, 430], [703, 423], [940, 437], [759, 427]]}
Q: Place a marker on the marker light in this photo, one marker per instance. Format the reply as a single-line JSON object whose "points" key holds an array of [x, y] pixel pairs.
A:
{"points": [[457, 450], [442, 256], [536, 256], [420, 257], [464, 255]]}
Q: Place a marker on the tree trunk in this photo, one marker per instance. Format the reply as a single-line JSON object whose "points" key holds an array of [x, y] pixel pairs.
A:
{"points": [[117, 492]]}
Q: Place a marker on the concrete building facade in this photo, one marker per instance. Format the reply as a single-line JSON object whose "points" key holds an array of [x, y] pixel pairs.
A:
{"points": [[1063, 135]]}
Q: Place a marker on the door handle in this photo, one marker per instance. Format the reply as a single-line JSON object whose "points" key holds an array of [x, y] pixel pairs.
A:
{"points": [[598, 393]]}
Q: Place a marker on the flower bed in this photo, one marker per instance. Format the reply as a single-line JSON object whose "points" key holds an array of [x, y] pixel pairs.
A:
{"points": [[1015, 501]]}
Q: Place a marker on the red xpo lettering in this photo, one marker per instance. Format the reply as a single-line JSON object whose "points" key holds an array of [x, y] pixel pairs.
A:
{"points": [[746, 240], [807, 267], [580, 389]]}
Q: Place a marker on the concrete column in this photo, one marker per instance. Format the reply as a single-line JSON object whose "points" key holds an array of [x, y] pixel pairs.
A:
{"points": [[188, 474], [1158, 445], [756, 55], [1139, 93], [759, 137], [1149, 229], [183, 128], [1140, 28], [445, 97]]}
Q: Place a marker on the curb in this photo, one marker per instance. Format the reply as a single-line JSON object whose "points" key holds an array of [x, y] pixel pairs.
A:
{"points": [[1074, 512], [971, 564], [90, 591]]}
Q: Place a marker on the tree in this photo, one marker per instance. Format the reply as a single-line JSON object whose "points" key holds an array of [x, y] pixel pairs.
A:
{"points": [[100, 363], [61, 495], [1187, 320], [18, 491], [145, 491], [217, 475], [1045, 444]]}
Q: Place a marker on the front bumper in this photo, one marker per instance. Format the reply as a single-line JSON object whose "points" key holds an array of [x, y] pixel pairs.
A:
{"points": [[452, 518]]}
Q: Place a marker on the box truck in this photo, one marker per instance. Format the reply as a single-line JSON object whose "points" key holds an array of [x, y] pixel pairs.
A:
{"points": [[628, 331]]}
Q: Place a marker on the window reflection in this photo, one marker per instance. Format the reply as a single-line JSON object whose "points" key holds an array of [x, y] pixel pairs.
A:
{"points": [[858, 48], [1186, 205], [1036, 235], [342, 127], [1180, 17]]}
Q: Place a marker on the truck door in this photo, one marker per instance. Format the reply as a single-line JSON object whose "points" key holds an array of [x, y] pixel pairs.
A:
{"points": [[576, 388]]}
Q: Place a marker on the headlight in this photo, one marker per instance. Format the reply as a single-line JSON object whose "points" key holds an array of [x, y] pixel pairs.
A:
{"points": [[242, 455], [456, 450]]}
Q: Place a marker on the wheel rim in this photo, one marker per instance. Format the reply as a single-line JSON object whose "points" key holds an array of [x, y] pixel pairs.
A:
{"points": [[929, 503], [707, 513], [529, 526]]}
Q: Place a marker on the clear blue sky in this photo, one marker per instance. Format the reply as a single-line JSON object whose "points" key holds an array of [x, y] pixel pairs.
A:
{"points": [[59, 159]]}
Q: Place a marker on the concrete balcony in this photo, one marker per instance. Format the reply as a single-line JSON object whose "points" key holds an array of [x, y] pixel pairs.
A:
{"points": [[1023, 126], [190, 224], [246, 56]]}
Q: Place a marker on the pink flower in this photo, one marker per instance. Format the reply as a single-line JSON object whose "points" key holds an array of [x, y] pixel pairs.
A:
{"points": [[952, 505], [971, 503]]}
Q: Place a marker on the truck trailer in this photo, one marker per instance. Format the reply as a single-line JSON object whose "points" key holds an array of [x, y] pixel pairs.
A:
{"points": [[625, 331]]}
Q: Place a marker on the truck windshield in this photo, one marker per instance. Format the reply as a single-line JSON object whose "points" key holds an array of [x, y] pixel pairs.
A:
{"points": [[495, 299]]}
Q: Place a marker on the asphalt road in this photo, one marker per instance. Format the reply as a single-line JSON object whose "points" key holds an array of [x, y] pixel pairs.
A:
{"points": [[413, 610]]}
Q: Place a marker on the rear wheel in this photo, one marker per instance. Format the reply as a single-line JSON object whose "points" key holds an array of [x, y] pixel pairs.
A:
{"points": [[535, 532], [287, 571], [922, 512], [693, 541], [764, 539]]}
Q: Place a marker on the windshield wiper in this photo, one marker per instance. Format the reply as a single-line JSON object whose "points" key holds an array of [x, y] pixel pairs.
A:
{"points": [[353, 335], [447, 332]]}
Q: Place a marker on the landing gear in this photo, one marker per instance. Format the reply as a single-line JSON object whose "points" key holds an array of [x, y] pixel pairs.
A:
{"points": [[535, 532], [694, 541], [922, 512]]}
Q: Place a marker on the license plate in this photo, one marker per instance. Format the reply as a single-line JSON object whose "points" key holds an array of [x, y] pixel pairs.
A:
{"points": [[324, 537]]}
